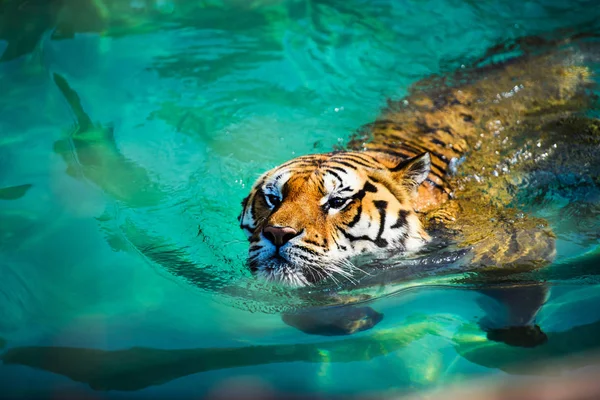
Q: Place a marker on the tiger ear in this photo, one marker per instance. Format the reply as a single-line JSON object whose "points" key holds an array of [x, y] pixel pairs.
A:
{"points": [[412, 172]]}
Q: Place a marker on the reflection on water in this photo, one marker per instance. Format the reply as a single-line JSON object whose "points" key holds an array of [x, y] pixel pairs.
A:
{"points": [[137, 368], [192, 100]]}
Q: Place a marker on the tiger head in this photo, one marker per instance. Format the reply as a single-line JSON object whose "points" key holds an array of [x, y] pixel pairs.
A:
{"points": [[307, 217]]}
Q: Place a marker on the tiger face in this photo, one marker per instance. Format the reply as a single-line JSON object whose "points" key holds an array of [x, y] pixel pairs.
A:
{"points": [[308, 217]]}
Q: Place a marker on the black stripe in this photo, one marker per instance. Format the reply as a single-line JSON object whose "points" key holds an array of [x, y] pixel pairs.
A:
{"points": [[437, 174], [401, 219], [437, 185], [403, 164], [259, 193], [381, 206], [313, 243], [328, 170], [320, 186], [466, 117], [247, 227], [355, 158], [425, 149], [441, 176], [369, 187], [347, 164], [337, 244], [438, 142], [379, 242], [382, 122], [297, 163], [448, 130], [397, 153], [306, 249], [356, 217], [302, 257], [244, 206]]}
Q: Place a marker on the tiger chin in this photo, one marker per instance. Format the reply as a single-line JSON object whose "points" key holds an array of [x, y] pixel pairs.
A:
{"points": [[308, 218]]}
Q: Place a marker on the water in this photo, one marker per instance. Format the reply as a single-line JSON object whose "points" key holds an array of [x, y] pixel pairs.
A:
{"points": [[204, 96]]}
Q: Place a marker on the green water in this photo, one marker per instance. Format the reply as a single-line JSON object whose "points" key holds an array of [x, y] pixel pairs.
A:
{"points": [[203, 96]]}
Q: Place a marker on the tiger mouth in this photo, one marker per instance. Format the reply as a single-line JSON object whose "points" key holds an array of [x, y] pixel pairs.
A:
{"points": [[276, 269], [299, 273]]}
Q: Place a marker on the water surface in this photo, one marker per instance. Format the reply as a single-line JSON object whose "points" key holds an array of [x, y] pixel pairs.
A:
{"points": [[203, 96]]}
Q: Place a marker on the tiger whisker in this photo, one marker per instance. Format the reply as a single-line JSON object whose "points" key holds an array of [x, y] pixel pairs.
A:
{"points": [[352, 266], [331, 275], [336, 268], [314, 270]]}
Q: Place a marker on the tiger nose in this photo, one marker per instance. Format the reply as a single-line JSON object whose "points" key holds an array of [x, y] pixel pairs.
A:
{"points": [[279, 235]]}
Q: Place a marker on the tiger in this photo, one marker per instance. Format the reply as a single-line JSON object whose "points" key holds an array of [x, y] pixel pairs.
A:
{"points": [[431, 164]]}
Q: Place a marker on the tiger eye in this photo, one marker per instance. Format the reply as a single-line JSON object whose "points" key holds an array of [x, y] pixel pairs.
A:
{"points": [[273, 200], [336, 202]]}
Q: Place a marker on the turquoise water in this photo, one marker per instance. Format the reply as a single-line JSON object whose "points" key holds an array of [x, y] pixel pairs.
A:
{"points": [[204, 96]]}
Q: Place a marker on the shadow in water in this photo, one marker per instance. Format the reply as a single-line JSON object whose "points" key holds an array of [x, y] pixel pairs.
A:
{"points": [[14, 192], [137, 368]]}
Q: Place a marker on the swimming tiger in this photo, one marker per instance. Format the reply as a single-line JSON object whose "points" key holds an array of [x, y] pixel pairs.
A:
{"points": [[446, 159], [444, 162]]}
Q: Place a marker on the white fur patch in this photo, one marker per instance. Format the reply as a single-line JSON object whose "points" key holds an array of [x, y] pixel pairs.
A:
{"points": [[334, 188], [276, 182]]}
